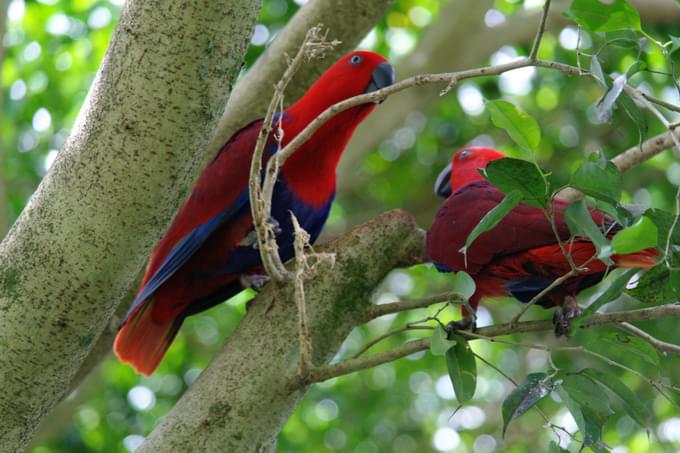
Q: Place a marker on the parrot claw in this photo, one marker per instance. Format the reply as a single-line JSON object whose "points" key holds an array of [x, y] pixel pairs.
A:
{"points": [[563, 316], [466, 323], [254, 281], [275, 225]]}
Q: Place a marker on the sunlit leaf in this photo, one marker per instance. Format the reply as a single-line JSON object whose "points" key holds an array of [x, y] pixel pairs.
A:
{"points": [[493, 217], [639, 236], [590, 432], [462, 367], [601, 180], [510, 175], [595, 15], [439, 342], [535, 387], [554, 448], [664, 221], [675, 41], [605, 105], [522, 127], [463, 285], [625, 396], [580, 223], [616, 287], [620, 345], [596, 71]]}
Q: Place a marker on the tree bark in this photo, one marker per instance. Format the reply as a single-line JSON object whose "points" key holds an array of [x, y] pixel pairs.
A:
{"points": [[241, 401], [65, 264]]}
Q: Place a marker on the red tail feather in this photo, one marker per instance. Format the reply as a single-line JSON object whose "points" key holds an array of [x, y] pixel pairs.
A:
{"points": [[142, 341]]}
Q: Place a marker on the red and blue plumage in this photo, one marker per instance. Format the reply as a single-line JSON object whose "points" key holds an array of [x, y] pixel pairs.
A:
{"points": [[520, 256], [209, 246]]}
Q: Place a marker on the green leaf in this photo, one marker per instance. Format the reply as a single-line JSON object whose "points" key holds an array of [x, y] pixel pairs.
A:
{"points": [[590, 432], [596, 71], [594, 15], [522, 127], [663, 221], [675, 42], [634, 113], [510, 174], [618, 345], [493, 217], [554, 448], [628, 400], [601, 180], [525, 396], [460, 361], [639, 236], [617, 283], [439, 343], [463, 285], [587, 394], [580, 223]]}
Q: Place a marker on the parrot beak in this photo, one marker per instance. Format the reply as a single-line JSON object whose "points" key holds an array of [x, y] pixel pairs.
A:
{"points": [[442, 187], [383, 76]]}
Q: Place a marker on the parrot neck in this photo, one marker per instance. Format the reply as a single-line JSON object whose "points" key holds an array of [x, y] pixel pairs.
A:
{"points": [[310, 171]]}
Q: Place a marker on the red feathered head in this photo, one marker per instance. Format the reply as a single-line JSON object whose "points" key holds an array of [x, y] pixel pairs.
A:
{"points": [[464, 168]]}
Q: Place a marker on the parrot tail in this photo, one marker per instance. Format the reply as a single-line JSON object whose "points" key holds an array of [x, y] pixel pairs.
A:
{"points": [[644, 259], [142, 342]]}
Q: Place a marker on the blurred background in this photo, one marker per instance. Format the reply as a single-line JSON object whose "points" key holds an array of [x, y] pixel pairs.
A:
{"points": [[52, 51]]}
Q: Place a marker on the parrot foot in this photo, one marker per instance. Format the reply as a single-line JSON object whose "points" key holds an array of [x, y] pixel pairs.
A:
{"points": [[563, 316], [254, 281], [251, 238], [467, 323]]}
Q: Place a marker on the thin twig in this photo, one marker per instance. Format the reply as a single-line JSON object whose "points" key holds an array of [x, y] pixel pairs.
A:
{"points": [[488, 333], [397, 331], [377, 311], [539, 34], [659, 345]]}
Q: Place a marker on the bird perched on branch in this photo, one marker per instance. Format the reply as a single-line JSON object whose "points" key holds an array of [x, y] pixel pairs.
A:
{"points": [[209, 254], [520, 256]]}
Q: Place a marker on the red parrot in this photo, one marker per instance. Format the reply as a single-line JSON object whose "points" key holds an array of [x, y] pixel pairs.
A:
{"points": [[209, 253], [520, 256]]}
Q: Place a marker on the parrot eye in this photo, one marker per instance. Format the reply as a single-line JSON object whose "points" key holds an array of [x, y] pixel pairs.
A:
{"points": [[355, 60], [465, 153]]}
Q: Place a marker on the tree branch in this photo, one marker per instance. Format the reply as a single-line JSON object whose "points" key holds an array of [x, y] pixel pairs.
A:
{"points": [[357, 364], [376, 311], [110, 194], [239, 403]]}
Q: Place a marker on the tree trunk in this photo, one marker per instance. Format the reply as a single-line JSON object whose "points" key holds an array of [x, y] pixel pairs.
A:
{"points": [[109, 196], [242, 400]]}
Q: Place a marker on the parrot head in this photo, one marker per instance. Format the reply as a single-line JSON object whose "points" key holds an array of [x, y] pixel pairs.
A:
{"points": [[464, 169], [356, 73]]}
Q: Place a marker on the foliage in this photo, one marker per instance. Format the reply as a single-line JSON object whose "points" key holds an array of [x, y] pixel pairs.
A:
{"points": [[53, 49]]}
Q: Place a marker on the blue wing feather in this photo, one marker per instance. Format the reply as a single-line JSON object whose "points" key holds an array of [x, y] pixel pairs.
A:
{"points": [[185, 250]]}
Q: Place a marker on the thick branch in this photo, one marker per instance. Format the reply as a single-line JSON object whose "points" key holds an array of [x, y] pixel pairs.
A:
{"points": [[243, 399], [65, 264]]}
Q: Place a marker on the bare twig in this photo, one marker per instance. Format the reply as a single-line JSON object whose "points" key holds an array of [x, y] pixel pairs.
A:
{"points": [[407, 327], [301, 241], [659, 345], [376, 311], [489, 333], [260, 199], [539, 34]]}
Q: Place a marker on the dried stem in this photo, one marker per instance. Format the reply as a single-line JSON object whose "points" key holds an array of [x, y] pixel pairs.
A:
{"points": [[301, 241], [377, 311]]}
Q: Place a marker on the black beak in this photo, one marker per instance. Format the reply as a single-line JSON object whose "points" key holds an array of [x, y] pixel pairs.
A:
{"points": [[383, 76], [442, 187]]}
